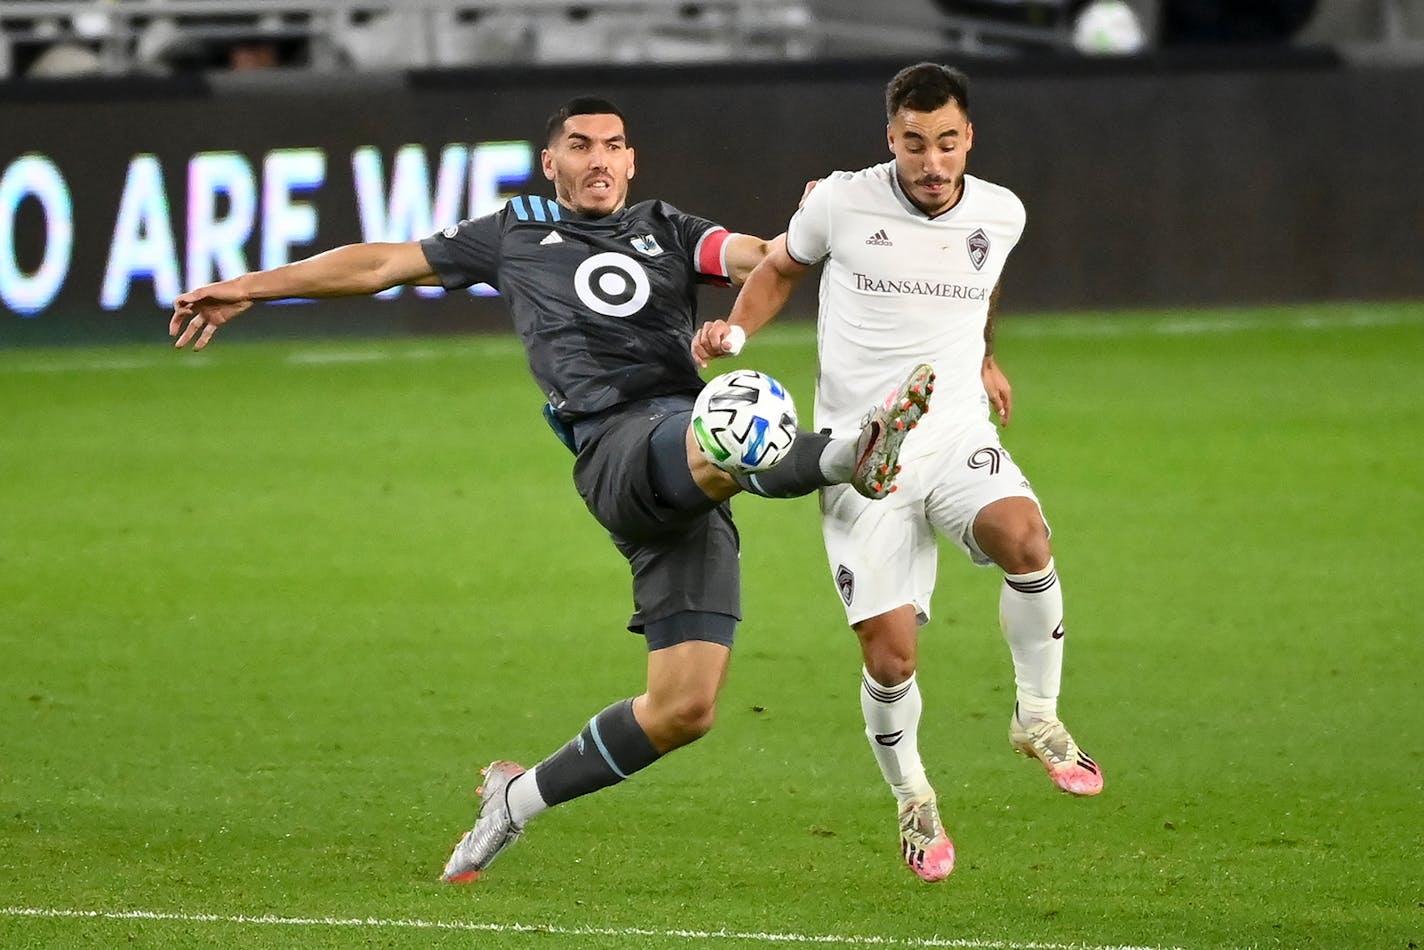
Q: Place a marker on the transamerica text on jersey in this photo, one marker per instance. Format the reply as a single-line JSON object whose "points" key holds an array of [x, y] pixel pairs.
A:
{"points": [[923, 288]]}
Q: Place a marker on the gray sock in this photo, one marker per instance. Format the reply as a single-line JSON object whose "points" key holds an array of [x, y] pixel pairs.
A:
{"points": [[805, 468], [605, 752]]}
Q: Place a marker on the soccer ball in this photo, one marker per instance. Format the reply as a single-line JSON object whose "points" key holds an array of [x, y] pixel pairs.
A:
{"points": [[744, 421]]}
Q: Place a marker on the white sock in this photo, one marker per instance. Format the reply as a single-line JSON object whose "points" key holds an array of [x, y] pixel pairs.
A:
{"points": [[1031, 617], [838, 460], [524, 799], [892, 724]]}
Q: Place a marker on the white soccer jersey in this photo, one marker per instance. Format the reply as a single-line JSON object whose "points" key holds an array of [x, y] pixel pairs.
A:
{"points": [[901, 288]]}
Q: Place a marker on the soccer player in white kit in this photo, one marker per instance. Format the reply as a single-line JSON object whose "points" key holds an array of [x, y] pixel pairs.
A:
{"points": [[913, 252]]}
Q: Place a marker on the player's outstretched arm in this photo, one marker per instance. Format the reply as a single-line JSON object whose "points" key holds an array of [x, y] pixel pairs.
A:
{"points": [[761, 298], [350, 271]]}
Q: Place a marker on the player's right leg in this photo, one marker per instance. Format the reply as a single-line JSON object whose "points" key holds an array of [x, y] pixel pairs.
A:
{"points": [[868, 462], [883, 559], [687, 586], [677, 709], [891, 705]]}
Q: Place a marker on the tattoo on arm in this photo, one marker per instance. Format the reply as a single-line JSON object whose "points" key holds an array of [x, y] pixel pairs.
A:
{"points": [[989, 323]]}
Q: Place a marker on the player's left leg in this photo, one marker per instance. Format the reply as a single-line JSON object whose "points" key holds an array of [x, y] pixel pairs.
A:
{"points": [[1011, 532]]}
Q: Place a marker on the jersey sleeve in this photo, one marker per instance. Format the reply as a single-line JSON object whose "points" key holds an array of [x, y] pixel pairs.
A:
{"points": [[808, 236], [466, 253], [707, 246]]}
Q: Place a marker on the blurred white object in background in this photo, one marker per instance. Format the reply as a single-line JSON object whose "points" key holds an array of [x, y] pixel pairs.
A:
{"points": [[1108, 28]]}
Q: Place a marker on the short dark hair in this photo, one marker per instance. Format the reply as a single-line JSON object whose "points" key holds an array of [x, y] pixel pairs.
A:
{"points": [[925, 87], [579, 105]]}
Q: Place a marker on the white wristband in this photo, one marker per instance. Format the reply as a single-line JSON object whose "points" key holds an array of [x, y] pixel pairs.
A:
{"points": [[736, 339]]}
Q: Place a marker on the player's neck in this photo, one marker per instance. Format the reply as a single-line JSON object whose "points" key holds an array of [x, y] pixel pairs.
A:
{"points": [[579, 215]]}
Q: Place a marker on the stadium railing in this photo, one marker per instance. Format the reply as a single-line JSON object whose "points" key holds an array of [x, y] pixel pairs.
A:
{"points": [[118, 37]]}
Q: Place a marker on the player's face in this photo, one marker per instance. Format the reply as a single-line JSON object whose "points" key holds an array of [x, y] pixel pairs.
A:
{"points": [[590, 164], [931, 150]]}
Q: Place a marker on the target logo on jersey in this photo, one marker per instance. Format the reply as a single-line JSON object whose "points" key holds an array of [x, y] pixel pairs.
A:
{"points": [[744, 421], [612, 284]]}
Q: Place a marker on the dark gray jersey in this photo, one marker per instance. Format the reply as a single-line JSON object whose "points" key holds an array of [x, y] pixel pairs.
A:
{"points": [[605, 306]]}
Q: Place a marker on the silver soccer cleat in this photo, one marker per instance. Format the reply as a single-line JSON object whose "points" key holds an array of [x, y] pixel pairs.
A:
{"points": [[494, 829]]}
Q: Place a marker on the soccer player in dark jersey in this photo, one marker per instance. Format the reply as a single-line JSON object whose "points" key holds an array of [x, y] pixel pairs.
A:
{"points": [[603, 296]]}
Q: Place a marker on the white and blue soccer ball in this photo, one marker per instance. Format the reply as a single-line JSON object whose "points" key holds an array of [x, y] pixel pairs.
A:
{"points": [[744, 421]]}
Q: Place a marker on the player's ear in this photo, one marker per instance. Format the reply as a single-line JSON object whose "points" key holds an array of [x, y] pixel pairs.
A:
{"points": [[546, 162], [890, 137], [631, 164], [968, 136]]}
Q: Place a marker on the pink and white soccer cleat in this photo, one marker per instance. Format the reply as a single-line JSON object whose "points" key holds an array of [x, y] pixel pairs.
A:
{"points": [[1047, 740], [923, 842]]}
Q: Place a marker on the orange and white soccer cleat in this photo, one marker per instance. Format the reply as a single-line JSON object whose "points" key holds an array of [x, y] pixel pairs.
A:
{"points": [[877, 449]]}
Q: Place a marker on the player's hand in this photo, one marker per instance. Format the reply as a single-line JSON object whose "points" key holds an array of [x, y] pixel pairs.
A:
{"points": [[806, 192], [204, 310], [996, 384], [716, 339]]}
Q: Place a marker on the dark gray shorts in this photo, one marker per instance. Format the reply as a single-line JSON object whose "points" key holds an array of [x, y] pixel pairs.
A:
{"points": [[682, 561]]}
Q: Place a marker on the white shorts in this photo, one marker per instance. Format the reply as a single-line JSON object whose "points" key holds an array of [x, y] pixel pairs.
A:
{"points": [[883, 554]]}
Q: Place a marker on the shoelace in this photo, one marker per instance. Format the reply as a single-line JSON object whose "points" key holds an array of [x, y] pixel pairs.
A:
{"points": [[921, 823], [1051, 737]]}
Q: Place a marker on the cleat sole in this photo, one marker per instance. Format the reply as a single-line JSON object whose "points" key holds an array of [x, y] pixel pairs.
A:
{"points": [[468, 877]]}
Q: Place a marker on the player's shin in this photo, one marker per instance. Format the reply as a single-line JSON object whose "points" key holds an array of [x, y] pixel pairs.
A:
{"points": [[814, 461], [610, 748], [1031, 617], [892, 724]]}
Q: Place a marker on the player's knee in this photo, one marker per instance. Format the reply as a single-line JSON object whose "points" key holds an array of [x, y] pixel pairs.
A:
{"points": [[1025, 547], [890, 667], [690, 718], [889, 644]]}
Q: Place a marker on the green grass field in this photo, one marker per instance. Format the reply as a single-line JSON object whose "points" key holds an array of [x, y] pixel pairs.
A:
{"points": [[265, 610]]}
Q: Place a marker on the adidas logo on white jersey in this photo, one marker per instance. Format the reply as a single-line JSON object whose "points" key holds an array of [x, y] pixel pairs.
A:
{"points": [[880, 238], [552, 238]]}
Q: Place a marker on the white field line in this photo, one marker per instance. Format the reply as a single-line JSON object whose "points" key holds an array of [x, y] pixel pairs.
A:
{"points": [[831, 940], [799, 334]]}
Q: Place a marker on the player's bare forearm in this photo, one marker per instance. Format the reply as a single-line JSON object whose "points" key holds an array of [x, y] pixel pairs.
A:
{"points": [[745, 251], [349, 271], [760, 299], [989, 322], [767, 289], [996, 384]]}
